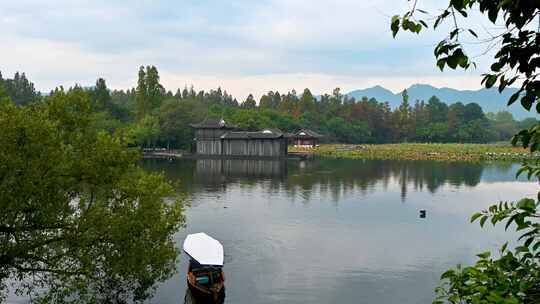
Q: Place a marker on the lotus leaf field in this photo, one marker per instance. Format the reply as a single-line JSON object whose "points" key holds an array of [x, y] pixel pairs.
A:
{"points": [[422, 151]]}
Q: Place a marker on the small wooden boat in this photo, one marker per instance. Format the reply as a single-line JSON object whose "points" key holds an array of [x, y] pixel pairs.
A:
{"points": [[205, 276]]}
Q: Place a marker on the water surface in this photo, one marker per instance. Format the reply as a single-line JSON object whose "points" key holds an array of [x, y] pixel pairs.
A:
{"points": [[337, 231]]}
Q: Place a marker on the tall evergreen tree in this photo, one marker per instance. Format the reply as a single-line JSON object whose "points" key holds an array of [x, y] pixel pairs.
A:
{"points": [[456, 117], [267, 101], [249, 103], [403, 115], [141, 95], [337, 98], [307, 101], [437, 110], [185, 93], [101, 96], [154, 89], [3, 95], [276, 100]]}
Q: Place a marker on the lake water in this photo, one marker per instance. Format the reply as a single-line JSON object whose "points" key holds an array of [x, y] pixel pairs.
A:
{"points": [[337, 231]]}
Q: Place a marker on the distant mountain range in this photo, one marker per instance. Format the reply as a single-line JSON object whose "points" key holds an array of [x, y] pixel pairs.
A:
{"points": [[489, 99]]}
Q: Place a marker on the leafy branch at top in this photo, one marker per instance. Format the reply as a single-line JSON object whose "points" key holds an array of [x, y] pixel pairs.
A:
{"points": [[518, 57]]}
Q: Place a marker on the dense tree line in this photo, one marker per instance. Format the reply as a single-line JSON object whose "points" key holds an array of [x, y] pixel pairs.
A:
{"points": [[157, 117]]}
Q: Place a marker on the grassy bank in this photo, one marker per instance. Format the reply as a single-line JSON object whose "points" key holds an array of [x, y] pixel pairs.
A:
{"points": [[413, 151]]}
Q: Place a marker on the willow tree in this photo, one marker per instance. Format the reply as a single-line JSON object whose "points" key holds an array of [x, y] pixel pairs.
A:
{"points": [[513, 274], [80, 222]]}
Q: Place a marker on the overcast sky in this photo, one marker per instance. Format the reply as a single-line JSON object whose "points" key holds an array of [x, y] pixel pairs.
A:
{"points": [[244, 46]]}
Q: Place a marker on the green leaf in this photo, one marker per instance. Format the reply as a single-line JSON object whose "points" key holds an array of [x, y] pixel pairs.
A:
{"points": [[514, 97], [531, 233], [473, 33], [418, 28], [483, 220], [528, 242], [437, 22], [490, 80], [536, 246], [454, 33], [475, 216], [484, 255], [463, 62], [394, 25], [448, 274], [522, 249], [503, 248], [492, 14], [496, 67], [526, 204], [405, 24], [527, 101], [510, 221], [457, 4], [452, 61], [441, 62], [520, 171], [502, 84]]}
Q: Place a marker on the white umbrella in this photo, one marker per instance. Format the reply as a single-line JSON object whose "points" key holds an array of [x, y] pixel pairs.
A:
{"points": [[204, 249]]}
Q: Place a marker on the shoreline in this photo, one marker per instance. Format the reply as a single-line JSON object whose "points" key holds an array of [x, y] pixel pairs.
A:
{"points": [[422, 151]]}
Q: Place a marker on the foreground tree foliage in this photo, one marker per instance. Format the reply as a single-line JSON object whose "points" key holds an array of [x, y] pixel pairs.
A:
{"points": [[80, 221], [513, 275]]}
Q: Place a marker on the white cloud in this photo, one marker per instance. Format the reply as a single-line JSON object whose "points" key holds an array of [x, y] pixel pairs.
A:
{"points": [[50, 64], [243, 46]]}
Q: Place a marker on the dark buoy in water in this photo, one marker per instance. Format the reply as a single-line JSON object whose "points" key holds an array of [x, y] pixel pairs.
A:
{"points": [[423, 213]]}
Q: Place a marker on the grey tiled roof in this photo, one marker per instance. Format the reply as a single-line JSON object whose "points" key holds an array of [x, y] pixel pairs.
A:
{"points": [[213, 123], [288, 135], [254, 135], [273, 130], [307, 133]]}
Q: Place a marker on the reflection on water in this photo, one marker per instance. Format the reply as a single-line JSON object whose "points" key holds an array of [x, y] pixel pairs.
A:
{"points": [[218, 171], [337, 231], [241, 168], [333, 177], [190, 299]]}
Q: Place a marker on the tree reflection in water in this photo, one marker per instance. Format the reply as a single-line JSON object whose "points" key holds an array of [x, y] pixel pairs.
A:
{"points": [[332, 177]]}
